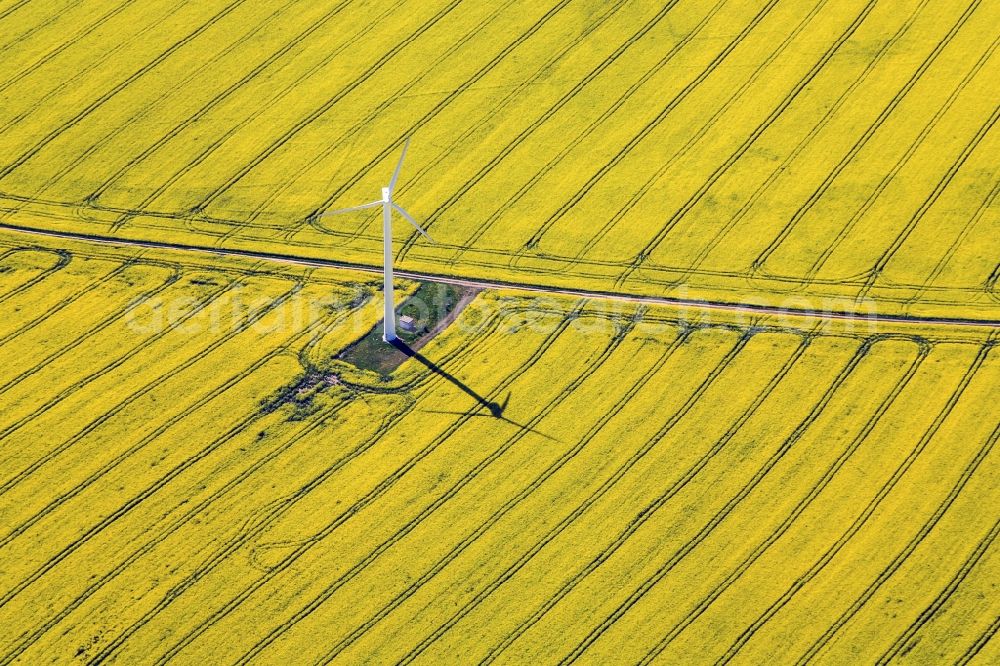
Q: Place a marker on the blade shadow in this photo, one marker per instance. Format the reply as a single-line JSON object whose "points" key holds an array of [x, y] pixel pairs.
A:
{"points": [[495, 409]]}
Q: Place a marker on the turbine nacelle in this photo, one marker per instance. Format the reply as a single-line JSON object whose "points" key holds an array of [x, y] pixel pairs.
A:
{"points": [[386, 200]]}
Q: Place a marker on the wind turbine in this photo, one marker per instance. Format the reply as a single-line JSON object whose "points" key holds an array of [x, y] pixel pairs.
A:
{"points": [[387, 204]]}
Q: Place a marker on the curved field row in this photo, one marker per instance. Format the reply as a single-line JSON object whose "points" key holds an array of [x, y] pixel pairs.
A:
{"points": [[639, 457], [833, 150], [305, 545], [113, 450], [62, 292], [192, 471], [649, 486], [23, 268]]}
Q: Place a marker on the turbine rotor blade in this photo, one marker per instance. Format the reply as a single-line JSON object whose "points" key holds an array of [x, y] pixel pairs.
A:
{"points": [[413, 222], [399, 165], [340, 211]]}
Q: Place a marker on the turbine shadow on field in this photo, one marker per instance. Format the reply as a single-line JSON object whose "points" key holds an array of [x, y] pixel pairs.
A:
{"points": [[495, 409]]}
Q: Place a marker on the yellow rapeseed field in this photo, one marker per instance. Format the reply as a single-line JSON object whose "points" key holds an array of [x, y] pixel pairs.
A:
{"points": [[779, 149], [191, 472], [188, 479]]}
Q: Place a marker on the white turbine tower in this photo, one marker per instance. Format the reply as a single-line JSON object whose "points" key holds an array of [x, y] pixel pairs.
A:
{"points": [[387, 204]]}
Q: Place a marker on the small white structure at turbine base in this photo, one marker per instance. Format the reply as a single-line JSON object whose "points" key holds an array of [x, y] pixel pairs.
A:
{"points": [[387, 204]]}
